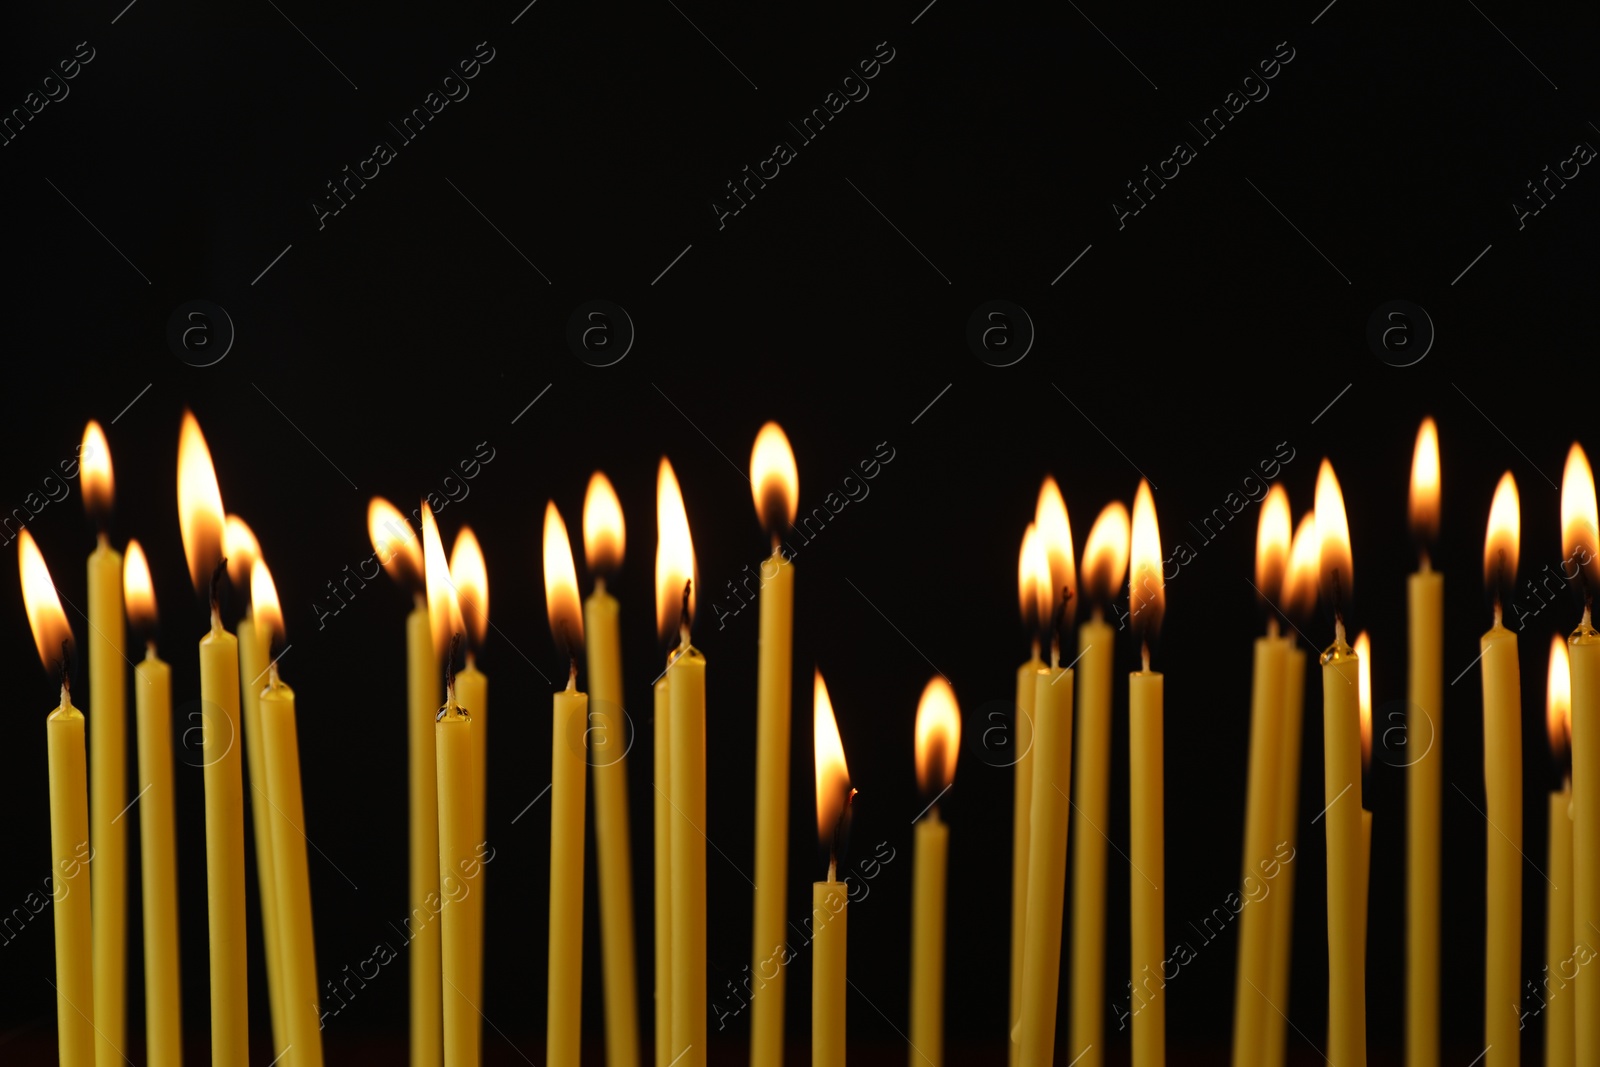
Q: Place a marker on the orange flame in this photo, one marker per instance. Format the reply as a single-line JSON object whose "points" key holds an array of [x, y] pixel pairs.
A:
{"points": [[45, 617], [471, 578], [1334, 561], [199, 504], [94, 462], [1147, 589], [938, 736], [1425, 483], [264, 606], [774, 479], [1363, 649], [1579, 520], [1105, 554], [1055, 534], [138, 592], [561, 583], [1502, 541], [604, 533], [675, 562], [239, 544], [1300, 584], [444, 610], [1033, 579], [833, 775], [395, 543], [1558, 698], [1272, 544]]}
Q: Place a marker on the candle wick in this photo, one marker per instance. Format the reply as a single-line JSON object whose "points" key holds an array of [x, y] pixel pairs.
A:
{"points": [[1035, 647], [103, 538], [599, 583], [150, 648], [66, 677], [833, 864], [1059, 624], [1588, 606], [684, 619], [450, 676], [572, 673], [1272, 626], [1144, 655], [217, 574], [1425, 564], [272, 675], [1498, 615], [777, 542], [1338, 628]]}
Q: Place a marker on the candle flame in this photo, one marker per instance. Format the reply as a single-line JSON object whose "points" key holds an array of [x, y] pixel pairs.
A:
{"points": [[1055, 534], [264, 606], [675, 562], [1033, 580], [1147, 590], [138, 592], [444, 610], [239, 544], [1273, 539], [1502, 541], [1579, 520], [774, 479], [1363, 647], [833, 775], [938, 737], [45, 617], [200, 513], [561, 584], [604, 533], [471, 578], [1334, 562], [1425, 484], [395, 544], [94, 463], [1558, 699], [1300, 584], [1105, 554]]}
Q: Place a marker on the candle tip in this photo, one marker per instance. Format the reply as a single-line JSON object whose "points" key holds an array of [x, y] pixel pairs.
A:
{"points": [[684, 619], [1144, 655], [217, 574], [66, 677]]}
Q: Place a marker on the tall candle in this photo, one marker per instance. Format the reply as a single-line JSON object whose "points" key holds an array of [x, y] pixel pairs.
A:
{"points": [[1033, 588], [662, 765], [1363, 647], [1146, 791], [604, 537], [829, 899], [775, 483], [938, 742], [470, 578], [1559, 947], [158, 851], [1425, 754]]}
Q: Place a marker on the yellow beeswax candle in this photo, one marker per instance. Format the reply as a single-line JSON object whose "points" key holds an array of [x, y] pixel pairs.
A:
{"points": [[1022, 807], [1147, 790], [470, 578], [1047, 861], [660, 742], [1366, 881], [224, 805], [830, 899], [1559, 945], [253, 659], [1425, 755], [938, 742], [453, 753], [686, 687]]}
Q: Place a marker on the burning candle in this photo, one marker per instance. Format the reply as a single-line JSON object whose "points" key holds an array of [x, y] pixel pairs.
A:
{"points": [[938, 743], [1424, 723], [1146, 789], [469, 578], [829, 899], [1363, 647], [1034, 591], [1559, 945]]}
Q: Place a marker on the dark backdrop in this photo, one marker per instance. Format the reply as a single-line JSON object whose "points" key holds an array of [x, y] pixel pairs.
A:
{"points": [[375, 348]]}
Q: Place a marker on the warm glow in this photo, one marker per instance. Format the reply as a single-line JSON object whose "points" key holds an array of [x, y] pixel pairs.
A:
{"points": [[239, 544], [471, 579], [94, 464], [1425, 484], [1147, 590], [1033, 579], [1272, 544], [45, 617], [1558, 699], [1334, 565], [138, 592], [604, 533], [264, 606], [833, 776], [1105, 554], [199, 504], [1300, 584], [774, 480], [444, 610], [1502, 542], [938, 736], [395, 543], [1579, 520], [1055, 534], [561, 584], [674, 553], [1363, 648]]}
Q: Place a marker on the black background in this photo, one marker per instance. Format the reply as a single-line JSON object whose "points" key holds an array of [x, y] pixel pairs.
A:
{"points": [[379, 350]]}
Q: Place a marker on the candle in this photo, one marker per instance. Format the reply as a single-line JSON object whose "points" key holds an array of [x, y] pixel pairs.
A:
{"points": [[1049, 807], [662, 765], [775, 483], [108, 744], [1034, 591], [1341, 786], [281, 757], [1502, 787], [1261, 797], [604, 537], [1105, 564], [568, 759], [1146, 800], [158, 851], [470, 579], [69, 816], [399, 552], [686, 747], [938, 743], [200, 519], [1424, 722], [1363, 648], [1578, 526], [1559, 941], [830, 899]]}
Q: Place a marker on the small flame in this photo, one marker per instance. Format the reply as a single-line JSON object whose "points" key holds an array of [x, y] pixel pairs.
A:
{"points": [[1502, 542], [200, 513], [1272, 544], [1033, 579], [94, 462], [471, 578], [1579, 520], [675, 563], [1055, 534], [1558, 699], [138, 592], [45, 617], [1105, 554], [833, 775], [1300, 584], [774, 479], [1363, 647], [1333, 540], [938, 736], [239, 544], [264, 606], [604, 533], [1425, 484], [561, 584], [444, 610], [1147, 590], [395, 543]]}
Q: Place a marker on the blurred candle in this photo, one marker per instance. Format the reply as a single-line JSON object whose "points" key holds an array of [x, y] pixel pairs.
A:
{"points": [[1424, 724], [470, 579], [1146, 789], [938, 743], [829, 899], [1363, 647], [1033, 588], [1559, 945]]}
